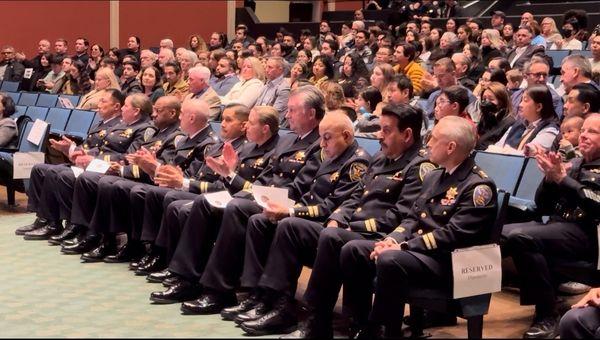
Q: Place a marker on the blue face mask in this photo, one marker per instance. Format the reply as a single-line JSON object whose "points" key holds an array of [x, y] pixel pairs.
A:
{"points": [[364, 111]]}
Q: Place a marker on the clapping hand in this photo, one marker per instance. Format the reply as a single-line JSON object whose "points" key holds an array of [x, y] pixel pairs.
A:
{"points": [[63, 145], [225, 164], [382, 246], [550, 163], [169, 176]]}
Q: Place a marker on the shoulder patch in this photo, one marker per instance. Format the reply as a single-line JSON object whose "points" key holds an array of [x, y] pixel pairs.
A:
{"points": [[178, 139], [357, 171], [425, 169], [149, 133], [482, 195], [423, 152]]}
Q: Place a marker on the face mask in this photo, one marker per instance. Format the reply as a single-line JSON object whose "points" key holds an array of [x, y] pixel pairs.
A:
{"points": [[487, 107], [567, 33], [364, 111]]}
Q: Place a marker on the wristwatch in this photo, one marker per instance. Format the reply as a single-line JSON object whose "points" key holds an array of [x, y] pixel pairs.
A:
{"points": [[404, 245]]}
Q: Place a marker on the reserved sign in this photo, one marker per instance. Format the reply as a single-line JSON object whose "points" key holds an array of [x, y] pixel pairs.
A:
{"points": [[476, 270]]}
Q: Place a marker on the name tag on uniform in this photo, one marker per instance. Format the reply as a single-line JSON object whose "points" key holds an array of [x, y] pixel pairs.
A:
{"points": [[23, 162], [98, 165], [476, 270]]}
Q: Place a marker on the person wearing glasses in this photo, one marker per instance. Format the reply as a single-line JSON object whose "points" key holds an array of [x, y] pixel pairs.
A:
{"points": [[536, 72]]}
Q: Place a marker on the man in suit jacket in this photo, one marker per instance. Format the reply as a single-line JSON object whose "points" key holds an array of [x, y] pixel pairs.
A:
{"points": [[10, 69], [198, 78], [276, 91], [523, 50]]}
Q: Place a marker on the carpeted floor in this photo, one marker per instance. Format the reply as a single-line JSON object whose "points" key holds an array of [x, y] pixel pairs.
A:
{"points": [[46, 294]]}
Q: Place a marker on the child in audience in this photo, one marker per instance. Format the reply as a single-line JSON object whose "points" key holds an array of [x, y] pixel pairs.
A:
{"points": [[515, 78], [570, 129]]}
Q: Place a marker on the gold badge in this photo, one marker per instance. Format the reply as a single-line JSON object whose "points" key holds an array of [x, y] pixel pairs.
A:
{"points": [[299, 156], [259, 162], [127, 133], [425, 169], [450, 196], [102, 133], [397, 176], [334, 176], [357, 171], [482, 195]]}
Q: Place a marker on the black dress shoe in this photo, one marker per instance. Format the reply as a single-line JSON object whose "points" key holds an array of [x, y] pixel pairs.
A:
{"points": [[125, 254], [99, 253], [43, 233], [160, 276], [37, 224], [155, 264], [231, 312], [71, 231], [141, 262], [280, 320], [543, 328], [74, 240], [209, 303], [180, 292], [171, 281], [312, 328], [258, 311], [83, 246]]}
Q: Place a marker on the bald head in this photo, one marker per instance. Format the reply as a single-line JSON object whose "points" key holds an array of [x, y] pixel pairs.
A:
{"points": [[337, 133], [194, 115]]}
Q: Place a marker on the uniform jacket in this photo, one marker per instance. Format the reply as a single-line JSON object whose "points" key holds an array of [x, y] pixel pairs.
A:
{"points": [[334, 183], [452, 211], [164, 140], [123, 139], [385, 194], [194, 158], [576, 199], [284, 164], [206, 180], [97, 134]]}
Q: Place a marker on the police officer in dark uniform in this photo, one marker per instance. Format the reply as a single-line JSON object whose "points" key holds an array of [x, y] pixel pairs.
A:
{"points": [[193, 122], [41, 192], [454, 209], [389, 187], [262, 132], [126, 137], [86, 185], [294, 152], [572, 198], [262, 128], [336, 179], [204, 180]]}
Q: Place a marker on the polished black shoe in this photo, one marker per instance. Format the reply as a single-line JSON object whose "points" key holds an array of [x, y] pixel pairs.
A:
{"points": [[43, 233], [171, 281], [311, 328], [99, 253], [230, 313], [282, 319], [141, 262], [543, 328], [160, 276], [71, 231], [209, 303], [154, 264], [180, 292], [37, 224], [71, 241], [258, 311], [82, 246], [125, 254]]}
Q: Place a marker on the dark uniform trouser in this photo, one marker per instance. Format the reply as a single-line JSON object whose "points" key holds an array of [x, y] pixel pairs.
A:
{"points": [[581, 323], [41, 195], [534, 246], [173, 222], [292, 243], [168, 233], [398, 270], [63, 191], [197, 235], [154, 207], [84, 198], [226, 261], [104, 210]]}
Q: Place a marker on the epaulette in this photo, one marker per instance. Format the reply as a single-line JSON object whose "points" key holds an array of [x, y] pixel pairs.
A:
{"points": [[480, 172]]}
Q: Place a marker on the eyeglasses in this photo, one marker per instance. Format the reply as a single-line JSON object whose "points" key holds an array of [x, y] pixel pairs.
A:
{"points": [[7, 52], [538, 75], [442, 101]]}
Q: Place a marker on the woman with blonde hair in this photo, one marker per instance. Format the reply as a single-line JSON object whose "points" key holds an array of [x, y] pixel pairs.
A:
{"points": [[492, 45], [334, 95], [105, 79], [247, 90], [550, 31], [382, 76]]}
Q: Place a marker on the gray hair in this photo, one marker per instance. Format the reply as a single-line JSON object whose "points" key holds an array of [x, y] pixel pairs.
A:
{"points": [[580, 62], [460, 131], [535, 60], [201, 71], [313, 98], [168, 42]]}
